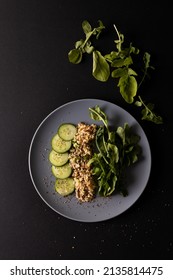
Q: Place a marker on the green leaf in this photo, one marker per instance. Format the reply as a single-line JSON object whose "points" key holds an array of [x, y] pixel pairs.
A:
{"points": [[88, 48], [98, 115], [86, 27], [128, 61], [120, 40], [114, 152], [118, 62], [75, 56], [101, 70], [130, 137], [111, 56], [121, 132], [111, 137], [131, 157], [99, 28], [138, 103], [146, 59], [119, 72], [124, 53], [149, 115], [128, 88], [79, 43], [133, 49], [132, 72]]}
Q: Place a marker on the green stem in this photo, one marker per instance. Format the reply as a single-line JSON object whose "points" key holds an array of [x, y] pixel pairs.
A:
{"points": [[87, 38], [119, 39], [144, 104], [143, 78], [98, 115], [118, 43], [97, 145]]}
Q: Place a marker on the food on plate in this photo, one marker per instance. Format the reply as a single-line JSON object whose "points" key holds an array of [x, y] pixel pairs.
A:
{"points": [[67, 131], [58, 159], [91, 159], [64, 186], [62, 172], [79, 156], [59, 145]]}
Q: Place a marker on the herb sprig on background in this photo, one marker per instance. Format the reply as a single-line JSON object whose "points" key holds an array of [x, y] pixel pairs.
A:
{"points": [[118, 64]]}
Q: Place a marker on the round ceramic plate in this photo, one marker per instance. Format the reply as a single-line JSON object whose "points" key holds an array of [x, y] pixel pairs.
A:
{"points": [[101, 208]]}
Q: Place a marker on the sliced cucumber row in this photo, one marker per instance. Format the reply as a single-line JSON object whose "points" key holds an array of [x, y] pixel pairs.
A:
{"points": [[59, 158]]}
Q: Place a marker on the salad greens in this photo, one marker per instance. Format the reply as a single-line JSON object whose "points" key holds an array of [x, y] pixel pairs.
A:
{"points": [[118, 64], [115, 151], [85, 46]]}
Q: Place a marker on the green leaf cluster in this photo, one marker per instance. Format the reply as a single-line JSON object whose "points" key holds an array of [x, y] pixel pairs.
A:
{"points": [[148, 113], [121, 60], [118, 64], [101, 70], [115, 151]]}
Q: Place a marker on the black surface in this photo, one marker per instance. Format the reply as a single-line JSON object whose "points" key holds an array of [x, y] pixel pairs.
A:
{"points": [[36, 78]]}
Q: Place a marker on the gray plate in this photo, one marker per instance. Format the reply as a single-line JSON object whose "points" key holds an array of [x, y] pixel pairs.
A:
{"points": [[100, 208]]}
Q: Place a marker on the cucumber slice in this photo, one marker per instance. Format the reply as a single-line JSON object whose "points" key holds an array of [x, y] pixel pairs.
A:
{"points": [[67, 131], [64, 186], [58, 159], [62, 172], [59, 145]]}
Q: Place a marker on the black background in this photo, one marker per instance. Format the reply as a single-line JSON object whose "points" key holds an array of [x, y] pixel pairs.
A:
{"points": [[35, 79]]}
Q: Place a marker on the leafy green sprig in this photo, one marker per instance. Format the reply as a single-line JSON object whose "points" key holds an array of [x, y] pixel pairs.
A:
{"points": [[116, 150], [148, 109], [118, 64]]}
